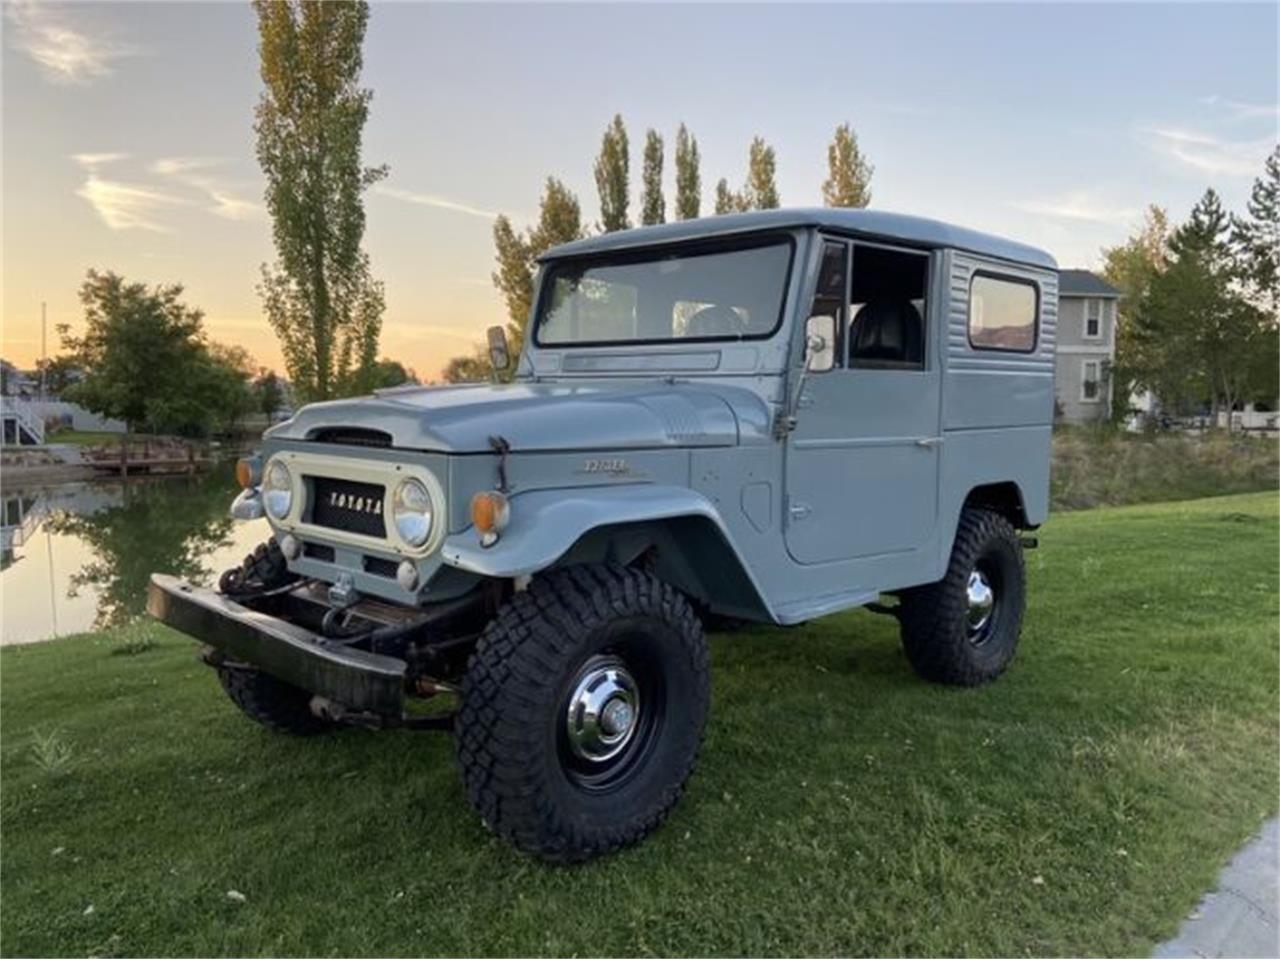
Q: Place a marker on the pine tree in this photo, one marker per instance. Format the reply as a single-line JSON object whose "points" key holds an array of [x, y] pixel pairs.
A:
{"points": [[319, 296], [1257, 238], [613, 176], [688, 176], [760, 193], [848, 182], [653, 206]]}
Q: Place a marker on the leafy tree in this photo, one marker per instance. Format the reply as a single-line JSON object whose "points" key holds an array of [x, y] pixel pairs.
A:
{"points": [[58, 373], [559, 221], [224, 385], [140, 352], [761, 192], [1199, 334], [727, 201], [391, 373], [688, 176], [269, 392], [1257, 238], [320, 298], [653, 206], [613, 177], [848, 182], [1131, 268]]}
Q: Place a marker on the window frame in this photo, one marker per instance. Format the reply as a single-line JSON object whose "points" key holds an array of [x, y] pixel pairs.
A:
{"points": [[1085, 363], [653, 253], [923, 366], [1102, 306], [1035, 316]]}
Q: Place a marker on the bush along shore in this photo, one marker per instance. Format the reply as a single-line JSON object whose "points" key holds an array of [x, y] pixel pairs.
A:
{"points": [[1079, 805]]}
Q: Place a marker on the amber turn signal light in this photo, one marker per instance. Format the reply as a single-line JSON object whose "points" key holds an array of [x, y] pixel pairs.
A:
{"points": [[490, 511], [249, 471]]}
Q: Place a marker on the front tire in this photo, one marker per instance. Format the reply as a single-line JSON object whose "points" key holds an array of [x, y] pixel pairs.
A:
{"points": [[278, 706], [583, 709], [964, 629]]}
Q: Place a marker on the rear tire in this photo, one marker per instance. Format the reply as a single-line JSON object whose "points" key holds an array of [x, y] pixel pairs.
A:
{"points": [[278, 706], [583, 709], [964, 629]]}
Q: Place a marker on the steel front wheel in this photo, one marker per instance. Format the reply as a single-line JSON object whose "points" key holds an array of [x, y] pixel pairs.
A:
{"points": [[964, 629], [582, 711]]}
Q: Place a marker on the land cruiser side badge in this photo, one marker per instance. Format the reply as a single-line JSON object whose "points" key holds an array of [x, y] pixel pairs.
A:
{"points": [[592, 465]]}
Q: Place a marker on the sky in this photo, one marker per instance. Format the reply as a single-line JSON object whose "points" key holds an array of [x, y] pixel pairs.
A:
{"points": [[128, 141]]}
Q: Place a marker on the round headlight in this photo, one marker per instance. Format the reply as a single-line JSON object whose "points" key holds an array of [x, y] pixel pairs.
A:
{"points": [[277, 490], [411, 512]]}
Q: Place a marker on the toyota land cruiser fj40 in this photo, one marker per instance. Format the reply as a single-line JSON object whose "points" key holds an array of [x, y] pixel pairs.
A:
{"points": [[768, 417]]}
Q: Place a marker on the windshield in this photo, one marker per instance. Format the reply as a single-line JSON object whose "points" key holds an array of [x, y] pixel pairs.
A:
{"points": [[718, 294]]}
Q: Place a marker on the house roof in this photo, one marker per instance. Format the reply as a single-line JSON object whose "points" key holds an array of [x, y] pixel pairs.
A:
{"points": [[871, 223], [1084, 283]]}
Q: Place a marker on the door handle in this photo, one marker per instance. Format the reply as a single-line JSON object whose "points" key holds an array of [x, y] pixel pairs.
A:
{"points": [[928, 443]]}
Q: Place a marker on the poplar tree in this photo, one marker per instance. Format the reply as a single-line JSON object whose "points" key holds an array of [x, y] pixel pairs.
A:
{"points": [[727, 201], [516, 253], [848, 182], [653, 206], [319, 296], [761, 192], [613, 177], [688, 176]]}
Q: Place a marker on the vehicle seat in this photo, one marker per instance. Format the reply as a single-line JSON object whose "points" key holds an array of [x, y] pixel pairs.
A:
{"points": [[887, 333]]}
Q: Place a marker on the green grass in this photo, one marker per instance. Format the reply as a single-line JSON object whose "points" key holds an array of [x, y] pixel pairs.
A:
{"points": [[1079, 805], [84, 438]]}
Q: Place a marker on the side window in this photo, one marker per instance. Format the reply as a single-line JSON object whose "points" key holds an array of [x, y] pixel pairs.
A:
{"points": [[1002, 313], [887, 308], [1090, 374], [829, 299]]}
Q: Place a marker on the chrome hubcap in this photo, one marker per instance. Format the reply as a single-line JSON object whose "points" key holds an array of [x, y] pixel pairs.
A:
{"points": [[982, 600], [603, 709]]}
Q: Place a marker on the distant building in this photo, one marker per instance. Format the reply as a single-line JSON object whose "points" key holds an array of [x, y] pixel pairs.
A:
{"points": [[1086, 346]]}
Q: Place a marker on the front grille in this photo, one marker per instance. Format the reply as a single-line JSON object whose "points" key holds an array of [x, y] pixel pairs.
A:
{"points": [[380, 567], [352, 436], [347, 505]]}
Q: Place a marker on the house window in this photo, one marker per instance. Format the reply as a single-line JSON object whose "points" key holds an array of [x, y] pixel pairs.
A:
{"points": [[1093, 319], [1090, 375], [1002, 313]]}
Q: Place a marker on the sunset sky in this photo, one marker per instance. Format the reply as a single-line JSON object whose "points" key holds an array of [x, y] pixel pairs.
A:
{"points": [[128, 142]]}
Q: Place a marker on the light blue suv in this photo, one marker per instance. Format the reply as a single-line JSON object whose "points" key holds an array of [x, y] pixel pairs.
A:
{"points": [[765, 417]]}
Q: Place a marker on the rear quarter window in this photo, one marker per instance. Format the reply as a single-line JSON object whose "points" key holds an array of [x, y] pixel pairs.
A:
{"points": [[1002, 313]]}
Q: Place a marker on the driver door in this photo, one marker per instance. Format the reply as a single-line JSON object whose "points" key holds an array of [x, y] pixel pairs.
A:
{"points": [[862, 461]]}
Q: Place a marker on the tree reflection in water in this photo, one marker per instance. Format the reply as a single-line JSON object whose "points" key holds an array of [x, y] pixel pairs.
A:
{"points": [[169, 525]]}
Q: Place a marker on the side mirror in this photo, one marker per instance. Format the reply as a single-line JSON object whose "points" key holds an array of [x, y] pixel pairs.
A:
{"points": [[499, 355], [820, 344]]}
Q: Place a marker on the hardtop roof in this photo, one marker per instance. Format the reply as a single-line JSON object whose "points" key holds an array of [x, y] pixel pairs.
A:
{"points": [[900, 227]]}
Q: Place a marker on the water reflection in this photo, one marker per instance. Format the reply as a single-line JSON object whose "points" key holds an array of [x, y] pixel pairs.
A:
{"points": [[78, 556]]}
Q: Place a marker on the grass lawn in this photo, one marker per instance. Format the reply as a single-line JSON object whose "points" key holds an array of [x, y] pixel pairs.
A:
{"points": [[1079, 805], [84, 438]]}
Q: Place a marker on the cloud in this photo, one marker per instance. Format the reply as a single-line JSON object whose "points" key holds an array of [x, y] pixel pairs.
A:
{"points": [[433, 200], [1080, 205], [124, 206], [1239, 110], [220, 199], [65, 54], [1207, 153]]}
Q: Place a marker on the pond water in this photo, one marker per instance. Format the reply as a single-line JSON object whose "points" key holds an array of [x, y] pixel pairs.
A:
{"points": [[77, 556]]}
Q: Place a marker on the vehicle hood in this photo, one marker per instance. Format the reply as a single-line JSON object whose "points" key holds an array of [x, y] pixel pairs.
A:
{"points": [[590, 415]]}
